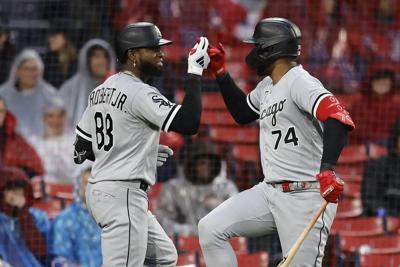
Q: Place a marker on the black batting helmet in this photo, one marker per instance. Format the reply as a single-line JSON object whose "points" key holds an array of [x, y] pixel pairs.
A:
{"points": [[273, 38], [138, 35]]}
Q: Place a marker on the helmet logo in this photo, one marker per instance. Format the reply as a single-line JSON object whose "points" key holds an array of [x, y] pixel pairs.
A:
{"points": [[298, 50]]}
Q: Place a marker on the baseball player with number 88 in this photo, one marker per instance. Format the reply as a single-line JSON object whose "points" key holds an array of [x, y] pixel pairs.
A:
{"points": [[120, 131]]}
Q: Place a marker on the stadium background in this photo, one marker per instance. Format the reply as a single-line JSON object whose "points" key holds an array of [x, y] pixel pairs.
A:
{"points": [[347, 44]]}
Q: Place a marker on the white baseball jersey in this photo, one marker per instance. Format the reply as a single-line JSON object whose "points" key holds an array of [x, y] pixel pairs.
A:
{"points": [[123, 120], [290, 134]]}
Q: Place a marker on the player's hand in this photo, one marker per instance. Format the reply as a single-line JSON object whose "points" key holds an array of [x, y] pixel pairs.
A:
{"points": [[331, 186], [198, 58], [164, 152], [217, 59]]}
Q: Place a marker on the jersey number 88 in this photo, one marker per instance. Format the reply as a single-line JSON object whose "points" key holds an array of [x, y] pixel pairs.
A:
{"points": [[100, 134]]}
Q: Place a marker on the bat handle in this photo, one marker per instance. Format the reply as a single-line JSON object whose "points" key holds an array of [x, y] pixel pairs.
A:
{"points": [[293, 250]]}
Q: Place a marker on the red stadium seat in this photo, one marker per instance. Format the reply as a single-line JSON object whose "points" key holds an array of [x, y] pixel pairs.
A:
{"points": [[356, 170], [153, 194], [253, 260], [187, 259], [349, 208], [246, 153], [61, 191], [353, 154], [350, 178], [376, 151], [372, 226], [381, 243], [352, 189], [212, 101], [52, 207], [235, 135], [222, 118], [393, 225], [380, 260]]}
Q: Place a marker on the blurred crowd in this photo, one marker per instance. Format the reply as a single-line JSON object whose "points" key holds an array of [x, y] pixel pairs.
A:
{"points": [[54, 52]]}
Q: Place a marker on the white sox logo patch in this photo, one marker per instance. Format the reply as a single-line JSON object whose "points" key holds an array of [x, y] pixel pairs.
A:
{"points": [[273, 110], [161, 101]]}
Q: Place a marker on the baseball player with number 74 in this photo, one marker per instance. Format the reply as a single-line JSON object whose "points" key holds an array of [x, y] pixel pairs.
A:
{"points": [[303, 129], [120, 131]]}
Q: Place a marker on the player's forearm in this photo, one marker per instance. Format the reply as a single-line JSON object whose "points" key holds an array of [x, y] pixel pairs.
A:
{"points": [[235, 100], [187, 119], [334, 139]]}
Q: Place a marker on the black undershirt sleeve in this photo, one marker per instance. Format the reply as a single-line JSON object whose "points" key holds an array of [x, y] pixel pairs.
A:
{"points": [[235, 100], [334, 139], [187, 119]]}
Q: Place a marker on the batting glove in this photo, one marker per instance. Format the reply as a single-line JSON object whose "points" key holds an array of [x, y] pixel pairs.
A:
{"points": [[198, 58], [330, 186], [217, 60], [164, 152]]}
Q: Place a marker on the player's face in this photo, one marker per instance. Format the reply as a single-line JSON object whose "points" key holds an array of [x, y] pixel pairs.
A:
{"points": [[54, 121], [99, 63], [28, 74], [3, 110], [151, 60]]}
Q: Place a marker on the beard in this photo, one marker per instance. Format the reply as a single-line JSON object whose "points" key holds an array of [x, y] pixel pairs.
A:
{"points": [[150, 69]]}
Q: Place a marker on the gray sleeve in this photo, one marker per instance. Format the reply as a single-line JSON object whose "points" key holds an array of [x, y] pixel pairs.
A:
{"points": [[83, 127], [308, 93], [253, 98], [150, 105]]}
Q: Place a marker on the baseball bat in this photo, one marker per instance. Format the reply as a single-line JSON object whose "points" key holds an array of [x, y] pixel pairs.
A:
{"points": [[293, 250]]}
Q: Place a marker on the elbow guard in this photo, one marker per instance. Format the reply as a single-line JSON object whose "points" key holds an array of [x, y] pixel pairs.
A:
{"points": [[329, 107], [83, 150]]}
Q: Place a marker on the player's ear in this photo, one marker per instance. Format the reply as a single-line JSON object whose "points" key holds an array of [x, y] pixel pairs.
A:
{"points": [[132, 55]]}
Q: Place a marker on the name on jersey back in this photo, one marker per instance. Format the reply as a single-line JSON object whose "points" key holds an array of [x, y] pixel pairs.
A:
{"points": [[109, 96]]}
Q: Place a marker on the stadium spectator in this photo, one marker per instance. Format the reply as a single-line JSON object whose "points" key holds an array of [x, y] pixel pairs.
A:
{"points": [[7, 52], [329, 48], [96, 61], [201, 187], [55, 146], [14, 150], [76, 236], [26, 93], [381, 181], [380, 35], [377, 110], [23, 229], [60, 59], [131, 11]]}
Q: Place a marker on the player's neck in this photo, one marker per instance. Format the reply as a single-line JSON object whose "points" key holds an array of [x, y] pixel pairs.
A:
{"points": [[137, 73], [280, 68]]}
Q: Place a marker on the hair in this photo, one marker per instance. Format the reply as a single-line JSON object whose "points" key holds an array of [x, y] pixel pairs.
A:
{"points": [[96, 47], [67, 55]]}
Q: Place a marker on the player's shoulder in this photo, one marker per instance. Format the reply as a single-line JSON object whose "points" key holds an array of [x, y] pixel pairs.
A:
{"points": [[264, 83], [131, 84], [299, 77]]}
